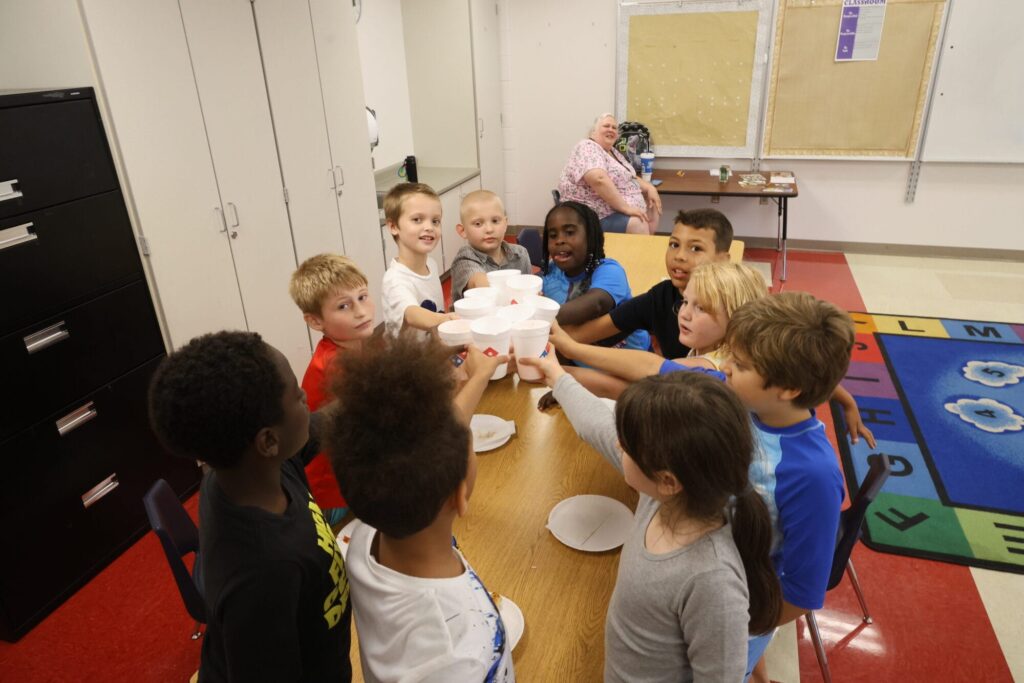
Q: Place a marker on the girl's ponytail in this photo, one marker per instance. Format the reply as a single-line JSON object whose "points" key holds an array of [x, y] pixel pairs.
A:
{"points": [[752, 533]]}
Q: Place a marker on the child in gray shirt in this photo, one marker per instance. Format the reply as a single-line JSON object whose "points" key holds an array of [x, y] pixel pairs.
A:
{"points": [[680, 610]]}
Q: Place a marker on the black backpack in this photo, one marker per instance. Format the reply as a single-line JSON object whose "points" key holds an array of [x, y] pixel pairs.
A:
{"points": [[634, 140]]}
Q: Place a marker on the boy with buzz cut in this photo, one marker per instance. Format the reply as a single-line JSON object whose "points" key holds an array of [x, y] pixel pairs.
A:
{"points": [[412, 294], [699, 236], [402, 449], [273, 581], [483, 224], [334, 297]]}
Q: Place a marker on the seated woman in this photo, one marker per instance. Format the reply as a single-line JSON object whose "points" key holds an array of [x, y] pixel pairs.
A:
{"points": [[600, 177]]}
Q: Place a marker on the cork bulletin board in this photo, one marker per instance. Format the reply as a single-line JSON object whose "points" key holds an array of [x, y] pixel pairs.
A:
{"points": [[818, 107], [693, 73]]}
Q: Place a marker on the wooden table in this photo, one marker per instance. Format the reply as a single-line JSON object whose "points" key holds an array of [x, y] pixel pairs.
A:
{"points": [[563, 593], [643, 257], [702, 183]]}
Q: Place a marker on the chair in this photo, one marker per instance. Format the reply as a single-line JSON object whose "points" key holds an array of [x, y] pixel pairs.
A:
{"points": [[178, 536], [851, 521], [530, 238]]}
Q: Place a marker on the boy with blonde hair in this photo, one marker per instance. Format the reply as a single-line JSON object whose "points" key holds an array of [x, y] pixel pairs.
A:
{"points": [[483, 224], [412, 294], [334, 298]]}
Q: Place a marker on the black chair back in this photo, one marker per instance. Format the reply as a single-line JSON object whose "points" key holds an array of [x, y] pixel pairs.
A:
{"points": [[178, 536], [530, 238], [852, 518]]}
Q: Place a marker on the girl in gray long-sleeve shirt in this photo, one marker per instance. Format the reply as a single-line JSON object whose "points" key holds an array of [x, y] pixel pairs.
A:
{"points": [[679, 611]]}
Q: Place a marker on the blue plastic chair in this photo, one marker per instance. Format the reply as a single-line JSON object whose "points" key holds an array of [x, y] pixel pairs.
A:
{"points": [[178, 536], [530, 238]]}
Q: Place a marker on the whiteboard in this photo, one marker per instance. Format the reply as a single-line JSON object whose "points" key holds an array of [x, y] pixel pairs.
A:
{"points": [[693, 72], [977, 110]]}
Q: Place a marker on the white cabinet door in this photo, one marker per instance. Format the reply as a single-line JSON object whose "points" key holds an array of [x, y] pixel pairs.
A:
{"points": [[487, 87], [450, 240], [150, 103], [341, 80], [293, 85], [229, 78]]}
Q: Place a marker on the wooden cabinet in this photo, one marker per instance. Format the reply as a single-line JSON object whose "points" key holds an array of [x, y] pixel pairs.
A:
{"points": [[79, 340], [245, 150]]}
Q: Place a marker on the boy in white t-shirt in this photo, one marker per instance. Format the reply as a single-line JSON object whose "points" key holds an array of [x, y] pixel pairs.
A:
{"points": [[412, 294], [402, 450]]}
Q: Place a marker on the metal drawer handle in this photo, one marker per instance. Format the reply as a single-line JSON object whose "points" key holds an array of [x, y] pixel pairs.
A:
{"points": [[19, 234], [7, 190], [37, 341], [76, 419], [101, 489]]}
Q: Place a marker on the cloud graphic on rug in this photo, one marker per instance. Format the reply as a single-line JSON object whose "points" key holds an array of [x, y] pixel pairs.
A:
{"points": [[987, 414], [993, 373]]}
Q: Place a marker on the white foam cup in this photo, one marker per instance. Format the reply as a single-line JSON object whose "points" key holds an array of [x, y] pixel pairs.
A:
{"points": [[530, 339], [544, 308], [455, 332], [647, 165], [481, 292], [515, 313], [522, 288], [492, 335], [497, 279], [472, 309]]}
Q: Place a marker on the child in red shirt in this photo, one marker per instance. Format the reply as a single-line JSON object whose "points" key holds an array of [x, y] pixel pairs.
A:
{"points": [[333, 296]]}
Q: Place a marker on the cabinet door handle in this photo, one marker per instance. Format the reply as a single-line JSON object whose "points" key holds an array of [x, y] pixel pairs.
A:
{"points": [[7, 190], [481, 122], [341, 175], [76, 418], [19, 234], [234, 214], [223, 221], [37, 341], [334, 178], [93, 495]]}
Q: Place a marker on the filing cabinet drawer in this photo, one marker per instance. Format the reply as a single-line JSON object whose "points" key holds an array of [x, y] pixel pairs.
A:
{"points": [[70, 503], [63, 255], [59, 359], [56, 152]]}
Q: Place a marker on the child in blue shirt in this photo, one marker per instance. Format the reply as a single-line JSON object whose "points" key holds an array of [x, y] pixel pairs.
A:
{"points": [[579, 276]]}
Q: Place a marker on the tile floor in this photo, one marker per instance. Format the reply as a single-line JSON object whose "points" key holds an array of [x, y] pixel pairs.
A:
{"points": [[932, 621]]}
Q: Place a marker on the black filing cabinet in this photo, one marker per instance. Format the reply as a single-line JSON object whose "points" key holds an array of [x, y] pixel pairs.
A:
{"points": [[79, 341]]}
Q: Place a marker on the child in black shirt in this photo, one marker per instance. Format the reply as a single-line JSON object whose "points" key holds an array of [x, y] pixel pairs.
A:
{"points": [[274, 582]]}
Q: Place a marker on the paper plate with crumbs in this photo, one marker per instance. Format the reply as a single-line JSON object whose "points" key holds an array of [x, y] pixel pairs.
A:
{"points": [[490, 432], [590, 523]]}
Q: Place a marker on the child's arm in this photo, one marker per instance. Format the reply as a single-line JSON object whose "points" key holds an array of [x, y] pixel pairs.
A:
{"points": [[714, 618], [598, 383], [422, 319], [629, 364], [594, 304], [479, 368], [851, 414], [593, 330], [591, 417]]}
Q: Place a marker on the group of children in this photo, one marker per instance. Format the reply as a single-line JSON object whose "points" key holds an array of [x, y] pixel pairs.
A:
{"points": [[739, 487]]}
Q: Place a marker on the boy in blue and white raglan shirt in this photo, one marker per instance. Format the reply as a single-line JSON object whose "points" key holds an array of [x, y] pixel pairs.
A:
{"points": [[787, 353]]}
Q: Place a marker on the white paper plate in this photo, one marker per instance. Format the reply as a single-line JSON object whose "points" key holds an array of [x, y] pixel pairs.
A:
{"points": [[344, 536], [590, 523], [513, 619], [490, 432]]}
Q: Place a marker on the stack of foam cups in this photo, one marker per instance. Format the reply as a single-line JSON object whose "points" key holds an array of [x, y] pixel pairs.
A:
{"points": [[522, 288], [544, 308], [530, 340], [492, 335], [516, 312], [497, 279], [489, 292]]}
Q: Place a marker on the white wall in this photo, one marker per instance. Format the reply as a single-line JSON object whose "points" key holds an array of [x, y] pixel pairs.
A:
{"points": [[559, 71], [42, 46], [385, 81]]}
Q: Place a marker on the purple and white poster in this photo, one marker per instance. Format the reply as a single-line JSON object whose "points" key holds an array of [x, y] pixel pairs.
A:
{"points": [[860, 30]]}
